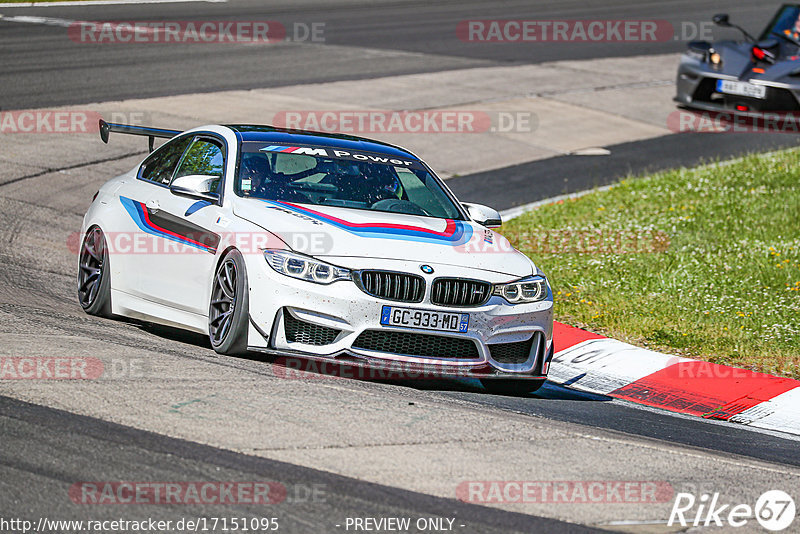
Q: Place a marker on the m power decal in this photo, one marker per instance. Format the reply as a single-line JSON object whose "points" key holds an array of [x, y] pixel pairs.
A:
{"points": [[308, 151], [366, 157]]}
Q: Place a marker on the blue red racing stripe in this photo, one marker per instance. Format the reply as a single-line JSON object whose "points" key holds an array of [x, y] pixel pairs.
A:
{"points": [[456, 233], [200, 204], [280, 148], [179, 231]]}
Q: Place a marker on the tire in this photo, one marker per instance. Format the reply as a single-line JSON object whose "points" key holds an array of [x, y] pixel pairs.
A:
{"points": [[510, 386], [94, 274], [228, 309]]}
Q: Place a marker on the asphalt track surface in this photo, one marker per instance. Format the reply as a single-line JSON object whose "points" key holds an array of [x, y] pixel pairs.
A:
{"points": [[42, 67], [45, 450], [538, 180], [101, 450]]}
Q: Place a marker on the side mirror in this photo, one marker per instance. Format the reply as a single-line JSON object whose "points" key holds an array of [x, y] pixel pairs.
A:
{"points": [[483, 215], [195, 186], [721, 19]]}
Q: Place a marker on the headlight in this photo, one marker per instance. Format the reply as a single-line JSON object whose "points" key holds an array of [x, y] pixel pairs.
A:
{"points": [[531, 289], [715, 59], [305, 267]]}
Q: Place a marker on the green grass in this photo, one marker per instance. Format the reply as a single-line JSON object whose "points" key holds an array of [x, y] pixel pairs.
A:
{"points": [[724, 288]]}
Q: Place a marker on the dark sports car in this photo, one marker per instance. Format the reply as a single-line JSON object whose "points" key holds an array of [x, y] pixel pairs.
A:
{"points": [[753, 75]]}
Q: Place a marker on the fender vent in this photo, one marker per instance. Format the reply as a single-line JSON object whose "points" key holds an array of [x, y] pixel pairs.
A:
{"points": [[298, 331], [514, 353]]}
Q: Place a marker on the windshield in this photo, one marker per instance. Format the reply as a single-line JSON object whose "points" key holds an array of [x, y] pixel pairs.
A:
{"points": [[343, 178], [785, 22]]}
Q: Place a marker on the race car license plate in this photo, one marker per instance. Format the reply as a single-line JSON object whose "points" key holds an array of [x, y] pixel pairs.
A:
{"points": [[741, 88], [428, 320]]}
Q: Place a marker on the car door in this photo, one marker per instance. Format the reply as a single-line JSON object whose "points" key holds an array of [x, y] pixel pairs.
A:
{"points": [[183, 232], [135, 242]]}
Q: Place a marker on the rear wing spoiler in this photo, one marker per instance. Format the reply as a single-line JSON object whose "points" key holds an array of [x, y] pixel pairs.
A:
{"points": [[151, 133]]}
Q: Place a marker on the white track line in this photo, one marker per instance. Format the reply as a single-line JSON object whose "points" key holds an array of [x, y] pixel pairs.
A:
{"points": [[102, 3], [780, 413], [45, 21], [513, 213], [776, 432]]}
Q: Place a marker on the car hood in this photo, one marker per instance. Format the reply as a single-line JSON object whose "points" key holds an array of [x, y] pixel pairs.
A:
{"points": [[736, 61], [322, 231]]}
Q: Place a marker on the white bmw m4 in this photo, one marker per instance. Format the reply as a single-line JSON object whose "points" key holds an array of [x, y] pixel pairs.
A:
{"points": [[318, 246]]}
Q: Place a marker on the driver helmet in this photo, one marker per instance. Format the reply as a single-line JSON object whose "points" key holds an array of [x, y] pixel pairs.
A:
{"points": [[253, 172]]}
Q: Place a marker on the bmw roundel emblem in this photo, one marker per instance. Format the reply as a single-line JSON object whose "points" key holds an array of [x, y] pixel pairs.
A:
{"points": [[427, 269]]}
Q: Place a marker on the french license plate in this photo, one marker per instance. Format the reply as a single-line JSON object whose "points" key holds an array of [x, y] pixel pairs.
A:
{"points": [[741, 88], [428, 320]]}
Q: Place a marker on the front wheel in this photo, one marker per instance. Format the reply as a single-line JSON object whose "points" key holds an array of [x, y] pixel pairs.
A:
{"points": [[229, 307], [511, 386]]}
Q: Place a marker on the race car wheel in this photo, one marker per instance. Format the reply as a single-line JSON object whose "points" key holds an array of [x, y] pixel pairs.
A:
{"points": [[509, 386], [228, 311], [94, 281]]}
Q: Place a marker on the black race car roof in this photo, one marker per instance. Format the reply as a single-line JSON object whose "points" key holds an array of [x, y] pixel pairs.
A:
{"points": [[271, 134]]}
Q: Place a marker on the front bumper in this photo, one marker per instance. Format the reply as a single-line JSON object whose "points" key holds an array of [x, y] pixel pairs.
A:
{"points": [[335, 316], [696, 88]]}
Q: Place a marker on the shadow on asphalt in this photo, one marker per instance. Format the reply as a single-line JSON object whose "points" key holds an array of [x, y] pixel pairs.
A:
{"points": [[549, 391], [338, 370]]}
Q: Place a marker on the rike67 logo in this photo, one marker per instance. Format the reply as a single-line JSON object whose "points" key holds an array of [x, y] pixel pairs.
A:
{"points": [[774, 510]]}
